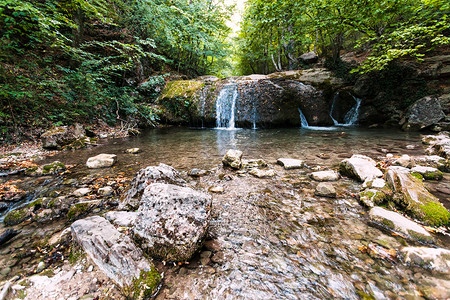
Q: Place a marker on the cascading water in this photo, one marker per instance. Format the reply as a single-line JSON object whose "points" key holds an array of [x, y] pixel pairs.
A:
{"points": [[226, 107], [303, 120], [351, 117]]}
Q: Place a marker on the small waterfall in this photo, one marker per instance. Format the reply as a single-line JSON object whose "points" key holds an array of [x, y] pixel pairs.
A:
{"points": [[226, 106], [351, 117], [303, 120]]}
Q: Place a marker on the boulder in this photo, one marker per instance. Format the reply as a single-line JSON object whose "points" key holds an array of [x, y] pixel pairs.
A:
{"points": [[433, 161], [411, 194], [101, 161], [325, 189], [116, 255], [437, 259], [61, 136], [371, 197], [233, 159], [360, 167], [428, 173], [404, 161], [121, 218], [423, 113], [290, 163], [399, 223], [145, 177], [172, 221], [439, 144], [325, 176], [309, 57]]}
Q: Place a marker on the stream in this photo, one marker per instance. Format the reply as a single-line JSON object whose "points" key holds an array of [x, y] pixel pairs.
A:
{"points": [[269, 238]]}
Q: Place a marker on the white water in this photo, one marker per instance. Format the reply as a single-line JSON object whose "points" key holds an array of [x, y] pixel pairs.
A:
{"points": [[351, 117], [226, 107], [303, 120]]}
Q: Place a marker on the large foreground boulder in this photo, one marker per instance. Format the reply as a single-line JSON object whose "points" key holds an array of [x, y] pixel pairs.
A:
{"points": [[116, 255], [145, 177], [411, 194], [360, 167], [172, 221]]}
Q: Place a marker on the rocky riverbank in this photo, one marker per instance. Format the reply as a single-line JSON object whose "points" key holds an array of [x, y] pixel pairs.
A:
{"points": [[247, 228]]}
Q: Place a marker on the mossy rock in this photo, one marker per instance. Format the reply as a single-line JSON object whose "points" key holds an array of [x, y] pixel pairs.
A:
{"points": [[16, 216], [435, 214], [372, 197], [181, 89], [78, 210], [48, 169], [436, 175], [145, 286]]}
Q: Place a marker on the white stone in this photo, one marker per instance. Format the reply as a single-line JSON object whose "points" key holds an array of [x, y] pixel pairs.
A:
{"points": [[325, 176], [325, 189], [290, 163], [133, 150], [405, 161], [81, 192], [121, 218], [101, 161], [216, 189], [233, 159], [437, 259], [423, 170], [399, 223], [361, 168], [262, 173], [106, 191]]}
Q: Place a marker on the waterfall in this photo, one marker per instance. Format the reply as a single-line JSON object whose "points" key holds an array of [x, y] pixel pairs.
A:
{"points": [[303, 120], [351, 117], [226, 106]]}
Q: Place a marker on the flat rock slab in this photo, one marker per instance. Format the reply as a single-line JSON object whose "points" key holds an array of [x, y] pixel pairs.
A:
{"points": [[233, 159], [433, 161], [146, 176], [399, 223], [113, 252], [101, 161], [437, 259], [81, 192], [290, 163], [325, 176], [172, 221], [410, 192], [360, 167], [262, 173], [121, 218]]}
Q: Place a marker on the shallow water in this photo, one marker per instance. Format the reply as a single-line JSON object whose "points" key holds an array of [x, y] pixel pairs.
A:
{"points": [[277, 239]]}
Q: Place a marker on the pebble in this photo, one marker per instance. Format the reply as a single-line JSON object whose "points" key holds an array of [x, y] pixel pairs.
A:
{"points": [[216, 189]]}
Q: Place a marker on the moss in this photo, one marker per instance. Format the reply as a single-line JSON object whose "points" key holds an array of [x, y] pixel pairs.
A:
{"points": [[36, 204], [76, 253], [417, 175], [145, 286], [388, 223], [181, 88], [436, 175], [435, 214], [364, 295], [31, 171], [16, 217], [21, 294], [77, 210], [420, 237]]}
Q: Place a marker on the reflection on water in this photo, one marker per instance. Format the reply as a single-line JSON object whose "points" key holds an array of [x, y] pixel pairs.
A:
{"points": [[185, 148]]}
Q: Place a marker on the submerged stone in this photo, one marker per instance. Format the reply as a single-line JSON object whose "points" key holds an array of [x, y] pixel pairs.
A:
{"points": [[101, 161], [290, 163], [261, 173], [116, 255], [133, 150], [360, 167], [411, 194], [325, 189], [399, 223], [437, 259], [233, 159], [172, 221]]}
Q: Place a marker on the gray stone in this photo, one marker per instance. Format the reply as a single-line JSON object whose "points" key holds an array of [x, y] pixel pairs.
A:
{"points": [[233, 159], [423, 113], [309, 57], [378, 183], [146, 176], [105, 191], [360, 167], [433, 161], [113, 252], [290, 163], [410, 193], [61, 136], [47, 169], [197, 172], [437, 259], [216, 189], [172, 221], [133, 150], [325, 176], [121, 218], [101, 161], [81, 192], [440, 144], [399, 223], [261, 173], [325, 189], [253, 163], [405, 161]]}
